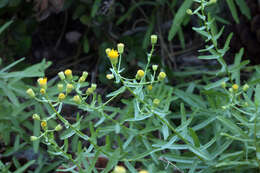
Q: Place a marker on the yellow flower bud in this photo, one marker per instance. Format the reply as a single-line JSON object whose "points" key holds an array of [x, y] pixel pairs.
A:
{"points": [[110, 76], [82, 79], [42, 91], [113, 56], [154, 39], [156, 102], [119, 169], [68, 74], [155, 67], [189, 12], [58, 127], [139, 74], [69, 88], [149, 87], [77, 99], [120, 48], [60, 87], [61, 96], [36, 117], [61, 75], [42, 82], [44, 124], [235, 87], [30, 92], [161, 76], [89, 91], [33, 138]]}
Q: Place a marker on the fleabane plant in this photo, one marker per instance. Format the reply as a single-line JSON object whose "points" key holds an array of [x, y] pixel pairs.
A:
{"points": [[75, 90]]}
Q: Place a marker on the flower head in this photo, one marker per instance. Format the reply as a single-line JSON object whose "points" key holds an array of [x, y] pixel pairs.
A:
{"points": [[154, 39], [110, 76], [139, 74], [149, 87], [42, 82], [44, 124], [68, 74], [162, 75], [61, 96], [113, 56], [235, 87], [77, 99]]}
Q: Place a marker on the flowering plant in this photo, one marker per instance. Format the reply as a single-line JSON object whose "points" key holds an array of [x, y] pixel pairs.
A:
{"points": [[158, 127]]}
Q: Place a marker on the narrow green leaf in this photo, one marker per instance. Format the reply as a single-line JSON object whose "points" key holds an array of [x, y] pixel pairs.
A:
{"points": [[216, 84], [233, 10], [178, 18], [244, 8]]}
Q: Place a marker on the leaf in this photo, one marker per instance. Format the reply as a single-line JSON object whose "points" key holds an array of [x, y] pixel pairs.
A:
{"points": [[178, 18], [7, 24], [24, 167], [216, 84], [95, 7], [244, 8], [86, 45], [209, 57], [194, 137], [3, 3], [232, 127], [117, 92], [148, 33], [233, 10]]}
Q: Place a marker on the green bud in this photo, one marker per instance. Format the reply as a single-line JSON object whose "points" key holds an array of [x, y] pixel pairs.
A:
{"points": [[245, 87], [189, 12], [61, 75], [120, 48], [30, 92], [36, 117], [154, 39], [156, 102], [58, 127], [60, 87], [155, 67], [33, 138]]}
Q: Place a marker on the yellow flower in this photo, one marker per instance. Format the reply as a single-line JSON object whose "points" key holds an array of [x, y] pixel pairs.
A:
{"points": [[42, 91], [44, 124], [61, 96], [68, 73], [139, 74], [235, 87], [42, 82], [113, 56]]}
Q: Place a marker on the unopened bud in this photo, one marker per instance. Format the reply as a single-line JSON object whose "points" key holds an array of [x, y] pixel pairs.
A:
{"points": [[30, 92], [58, 127], [36, 117], [155, 67], [77, 99], [120, 48], [69, 88], [154, 39], [61, 75], [60, 87]]}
